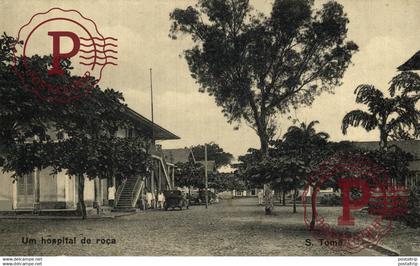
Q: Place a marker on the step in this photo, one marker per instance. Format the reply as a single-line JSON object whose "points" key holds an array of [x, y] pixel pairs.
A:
{"points": [[131, 209]]}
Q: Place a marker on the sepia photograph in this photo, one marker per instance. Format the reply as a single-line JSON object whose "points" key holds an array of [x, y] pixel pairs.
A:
{"points": [[234, 128]]}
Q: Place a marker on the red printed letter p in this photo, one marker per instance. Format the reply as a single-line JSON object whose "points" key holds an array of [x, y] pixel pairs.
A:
{"points": [[57, 55], [346, 184]]}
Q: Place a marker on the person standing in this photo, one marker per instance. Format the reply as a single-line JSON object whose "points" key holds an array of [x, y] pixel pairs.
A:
{"points": [[143, 201], [161, 200], [111, 196], [260, 196], [149, 199]]}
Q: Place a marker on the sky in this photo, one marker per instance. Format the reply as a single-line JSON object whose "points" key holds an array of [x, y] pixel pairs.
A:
{"points": [[386, 31]]}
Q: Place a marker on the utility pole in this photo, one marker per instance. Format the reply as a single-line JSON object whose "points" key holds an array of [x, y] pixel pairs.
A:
{"points": [[151, 105], [152, 176], [205, 176]]}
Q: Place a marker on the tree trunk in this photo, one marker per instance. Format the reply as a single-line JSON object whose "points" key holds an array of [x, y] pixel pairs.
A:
{"points": [[383, 144], [279, 196], [294, 200], [81, 206], [268, 199], [313, 204], [284, 197]]}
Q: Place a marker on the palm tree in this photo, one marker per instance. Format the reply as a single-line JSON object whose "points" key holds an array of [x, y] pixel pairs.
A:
{"points": [[304, 135], [302, 143], [390, 115]]}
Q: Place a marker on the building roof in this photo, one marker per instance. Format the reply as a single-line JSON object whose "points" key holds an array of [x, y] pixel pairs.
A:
{"points": [[148, 128], [411, 146], [412, 64], [181, 155]]}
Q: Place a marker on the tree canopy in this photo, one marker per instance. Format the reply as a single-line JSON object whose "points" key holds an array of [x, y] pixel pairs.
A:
{"points": [[256, 65], [214, 153], [396, 117], [77, 137]]}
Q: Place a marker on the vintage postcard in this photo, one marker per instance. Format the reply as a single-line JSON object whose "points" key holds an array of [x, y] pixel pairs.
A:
{"points": [[209, 128]]}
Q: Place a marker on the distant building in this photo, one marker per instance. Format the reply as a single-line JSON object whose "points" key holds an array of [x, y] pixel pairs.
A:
{"points": [[211, 166], [411, 146], [182, 155]]}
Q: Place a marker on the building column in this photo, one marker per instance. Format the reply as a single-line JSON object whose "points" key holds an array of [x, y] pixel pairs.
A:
{"points": [[37, 204], [152, 180], [173, 177], [152, 185], [159, 187], [96, 187]]}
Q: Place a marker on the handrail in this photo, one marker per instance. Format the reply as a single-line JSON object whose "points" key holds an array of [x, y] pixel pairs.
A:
{"points": [[134, 189], [119, 191], [159, 158], [165, 171], [137, 189]]}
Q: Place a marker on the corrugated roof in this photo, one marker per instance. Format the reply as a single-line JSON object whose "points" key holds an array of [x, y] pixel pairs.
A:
{"points": [[148, 128], [182, 155], [411, 146]]}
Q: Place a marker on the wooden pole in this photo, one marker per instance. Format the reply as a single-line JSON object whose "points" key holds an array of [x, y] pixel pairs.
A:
{"points": [[37, 205], [151, 106], [159, 187], [205, 176]]}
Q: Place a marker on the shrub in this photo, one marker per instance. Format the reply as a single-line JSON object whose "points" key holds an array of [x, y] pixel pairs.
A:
{"points": [[331, 200], [412, 218]]}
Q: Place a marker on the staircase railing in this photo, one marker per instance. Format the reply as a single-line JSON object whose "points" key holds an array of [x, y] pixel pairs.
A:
{"points": [[138, 187], [165, 170], [119, 191], [161, 162]]}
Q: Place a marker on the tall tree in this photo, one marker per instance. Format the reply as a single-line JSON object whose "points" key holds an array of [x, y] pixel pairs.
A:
{"points": [[214, 153], [395, 116], [190, 174], [256, 65]]}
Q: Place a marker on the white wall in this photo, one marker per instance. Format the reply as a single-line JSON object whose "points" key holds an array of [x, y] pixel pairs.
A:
{"points": [[6, 191]]}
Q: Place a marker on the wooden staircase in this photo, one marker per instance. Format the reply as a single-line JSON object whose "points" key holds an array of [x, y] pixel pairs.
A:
{"points": [[128, 193], [162, 163]]}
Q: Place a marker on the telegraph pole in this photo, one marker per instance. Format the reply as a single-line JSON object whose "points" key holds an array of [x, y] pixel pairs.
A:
{"points": [[205, 176], [152, 177], [151, 106]]}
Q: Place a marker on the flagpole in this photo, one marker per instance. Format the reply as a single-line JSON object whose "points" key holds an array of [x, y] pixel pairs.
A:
{"points": [[151, 106], [205, 176]]}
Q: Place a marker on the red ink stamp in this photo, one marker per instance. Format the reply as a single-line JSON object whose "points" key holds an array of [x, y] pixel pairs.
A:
{"points": [[51, 40], [364, 185]]}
